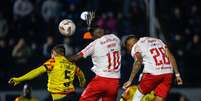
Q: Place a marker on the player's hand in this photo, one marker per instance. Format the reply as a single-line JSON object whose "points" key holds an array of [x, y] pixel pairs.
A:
{"points": [[13, 81], [127, 84], [179, 80]]}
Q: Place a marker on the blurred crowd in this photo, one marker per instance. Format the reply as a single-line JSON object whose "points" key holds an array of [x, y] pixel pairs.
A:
{"points": [[29, 29]]}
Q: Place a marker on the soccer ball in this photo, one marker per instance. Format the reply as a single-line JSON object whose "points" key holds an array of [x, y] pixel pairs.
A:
{"points": [[67, 27]]}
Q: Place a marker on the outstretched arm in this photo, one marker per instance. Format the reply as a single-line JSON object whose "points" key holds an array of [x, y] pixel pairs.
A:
{"points": [[75, 57], [175, 67], [136, 67], [81, 77], [87, 51], [30, 75]]}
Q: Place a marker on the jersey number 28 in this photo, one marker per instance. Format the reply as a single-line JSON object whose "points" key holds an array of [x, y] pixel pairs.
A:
{"points": [[157, 53]]}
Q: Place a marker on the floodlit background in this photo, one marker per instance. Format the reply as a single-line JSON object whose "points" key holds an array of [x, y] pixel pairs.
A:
{"points": [[29, 29]]}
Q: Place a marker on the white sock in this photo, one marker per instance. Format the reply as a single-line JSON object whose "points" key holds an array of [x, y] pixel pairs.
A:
{"points": [[138, 96]]}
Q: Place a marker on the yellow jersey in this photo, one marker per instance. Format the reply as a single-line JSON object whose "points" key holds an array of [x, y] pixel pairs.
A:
{"points": [[61, 74], [130, 92]]}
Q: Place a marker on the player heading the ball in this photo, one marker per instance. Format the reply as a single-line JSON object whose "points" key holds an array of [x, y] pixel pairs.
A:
{"points": [[60, 72]]}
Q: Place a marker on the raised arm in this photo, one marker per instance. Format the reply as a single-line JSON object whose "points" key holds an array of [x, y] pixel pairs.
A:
{"points": [[29, 76], [87, 51], [136, 67], [75, 57]]}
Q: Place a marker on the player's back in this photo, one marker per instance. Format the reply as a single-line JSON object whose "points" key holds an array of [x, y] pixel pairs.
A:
{"points": [[154, 55], [107, 55], [60, 75]]}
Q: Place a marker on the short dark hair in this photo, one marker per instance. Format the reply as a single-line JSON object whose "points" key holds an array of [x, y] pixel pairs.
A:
{"points": [[59, 49], [92, 30], [128, 38]]}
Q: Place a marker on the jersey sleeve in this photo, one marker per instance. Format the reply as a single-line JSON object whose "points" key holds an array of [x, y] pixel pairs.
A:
{"points": [[136, 48], [49, 64], [88, 50], [163, 44]]}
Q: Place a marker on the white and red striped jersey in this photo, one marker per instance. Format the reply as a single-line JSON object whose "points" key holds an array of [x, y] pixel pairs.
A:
{"points": [[154, 57], [106, 56]]}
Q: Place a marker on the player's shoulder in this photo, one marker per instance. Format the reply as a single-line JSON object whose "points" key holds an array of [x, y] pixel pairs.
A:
{"points": [[114, 35], [145, 39], [149, 39], [110, 36]]}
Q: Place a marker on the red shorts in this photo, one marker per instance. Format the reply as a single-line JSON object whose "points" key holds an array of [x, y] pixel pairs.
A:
{"points": [[101, 88], [161, 84]]}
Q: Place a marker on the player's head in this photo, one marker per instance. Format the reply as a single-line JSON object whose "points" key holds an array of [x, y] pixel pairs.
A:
{"points": [[58, 50], [130, 41], [98, 32], [27, 91]]}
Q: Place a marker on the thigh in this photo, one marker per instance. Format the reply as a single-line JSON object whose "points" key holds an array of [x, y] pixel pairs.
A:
{"points": [[148, 83], [163, 88], [92, 92], [111, 91]]}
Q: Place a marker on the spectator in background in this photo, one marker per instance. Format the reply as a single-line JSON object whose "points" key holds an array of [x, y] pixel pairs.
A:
{"points": [[194, 19], [72, 2], [175, 96], [179, 48], [120, 24], [101, 22], [51, 9], [196, 45], [22, 8], [68, 48], [4, 53], [72, 13], [21, 52], [11, 43], [48, 46], [127, 25], [26, 94], [111, 22], [176, 21], [23, 16], [195, 51], [3, 26]]}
